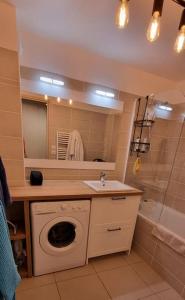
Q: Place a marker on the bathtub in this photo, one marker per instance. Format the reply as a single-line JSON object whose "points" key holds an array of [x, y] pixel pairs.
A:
{"points": [[168, 224]]}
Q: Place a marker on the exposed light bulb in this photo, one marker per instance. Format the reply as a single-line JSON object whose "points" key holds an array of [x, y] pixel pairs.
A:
{"points": [[58, 99], [122, 16], [70, 101], [180, 41], [154, 27], [46, 97]]}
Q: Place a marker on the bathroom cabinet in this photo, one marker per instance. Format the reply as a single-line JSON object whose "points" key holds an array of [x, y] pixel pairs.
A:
{"points": [[112, 224], [112, 220]]}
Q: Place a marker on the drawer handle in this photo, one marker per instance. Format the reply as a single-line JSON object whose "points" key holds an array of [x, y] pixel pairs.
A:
{"points": [[119, 198], [46, 213], [115, 229]]}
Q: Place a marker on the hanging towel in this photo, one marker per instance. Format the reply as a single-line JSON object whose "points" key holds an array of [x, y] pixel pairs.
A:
{"points": [[4, 186], [1, 195], [9, 277], [137, 166], [75, 149]]}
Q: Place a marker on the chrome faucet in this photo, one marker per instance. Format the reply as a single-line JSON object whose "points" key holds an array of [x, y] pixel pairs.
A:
{"points": [[102, 178]]}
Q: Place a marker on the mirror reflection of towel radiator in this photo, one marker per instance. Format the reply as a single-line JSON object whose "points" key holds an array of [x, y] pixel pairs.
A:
{"points": [[62, 144]]}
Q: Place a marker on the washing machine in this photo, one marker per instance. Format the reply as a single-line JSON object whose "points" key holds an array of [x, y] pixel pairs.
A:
{"points": [[59, 235]]}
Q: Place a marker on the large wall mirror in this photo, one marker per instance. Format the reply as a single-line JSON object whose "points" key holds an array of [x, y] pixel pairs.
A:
{"points": [[66, 130]]}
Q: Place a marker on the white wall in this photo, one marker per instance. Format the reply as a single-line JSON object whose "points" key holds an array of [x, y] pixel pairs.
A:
{"points": [[175, 95]]}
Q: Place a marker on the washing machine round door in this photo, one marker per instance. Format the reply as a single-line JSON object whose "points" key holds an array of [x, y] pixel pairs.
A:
{"points": [[61, 235]]}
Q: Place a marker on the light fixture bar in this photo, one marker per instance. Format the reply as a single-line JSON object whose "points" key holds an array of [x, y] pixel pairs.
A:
{"points": [[182, 21], [51, 81], [105, 94], [46, 79], [58, 82], [165, 107], [180, 2], [158, 7]]}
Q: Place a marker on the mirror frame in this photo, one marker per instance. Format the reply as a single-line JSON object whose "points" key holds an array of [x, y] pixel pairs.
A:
{"points": [[68, 164]]}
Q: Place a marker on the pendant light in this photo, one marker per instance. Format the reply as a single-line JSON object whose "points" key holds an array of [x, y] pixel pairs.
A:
{"points": [[180, 40], [122, 16], [154, 26]]}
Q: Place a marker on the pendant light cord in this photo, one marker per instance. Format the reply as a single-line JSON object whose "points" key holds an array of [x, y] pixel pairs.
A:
{"points": [[180, 2]]}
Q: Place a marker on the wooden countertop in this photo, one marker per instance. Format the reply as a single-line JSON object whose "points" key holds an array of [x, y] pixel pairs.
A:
{"points": [[62, 189]]}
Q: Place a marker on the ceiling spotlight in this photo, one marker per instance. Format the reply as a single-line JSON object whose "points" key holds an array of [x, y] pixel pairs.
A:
{"points": [[122, 16], [105, 94], [180, 40], [46, 79], [46, 97], [165, 107], [58, 99], [154, 26], [58, 82], [70, 101], [51, 81]]}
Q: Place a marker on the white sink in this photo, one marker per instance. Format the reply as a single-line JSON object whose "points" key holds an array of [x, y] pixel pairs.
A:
{"points": [[110, 185]]}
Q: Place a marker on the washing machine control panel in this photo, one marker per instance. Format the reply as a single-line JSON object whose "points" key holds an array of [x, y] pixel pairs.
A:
{"points": [[72, 207], [60, 206]]}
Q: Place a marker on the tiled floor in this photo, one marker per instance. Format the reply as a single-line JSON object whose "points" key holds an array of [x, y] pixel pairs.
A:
{"points": [[117, 277]]}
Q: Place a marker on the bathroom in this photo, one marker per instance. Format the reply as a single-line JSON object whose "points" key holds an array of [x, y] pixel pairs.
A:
{"points": [[92, 146]]}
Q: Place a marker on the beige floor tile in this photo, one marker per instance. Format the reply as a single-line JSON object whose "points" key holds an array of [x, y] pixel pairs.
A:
{"points": [[149, 276], [124, 283], [132, 258], [35, 282], [73, 273], [47, 292], [169, 295], [83, 288], [108, 262]]}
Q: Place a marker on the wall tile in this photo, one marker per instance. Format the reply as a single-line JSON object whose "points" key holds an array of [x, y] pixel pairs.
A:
{"points": [[9, 98], [9, 67], [171, 261], [11, 148], [148, 242], [142, 252], [169, 277], [10, 124], [14, 169]]}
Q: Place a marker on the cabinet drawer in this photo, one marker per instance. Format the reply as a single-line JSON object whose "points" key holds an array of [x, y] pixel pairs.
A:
{"points": [[109, 238], [114, 209]]}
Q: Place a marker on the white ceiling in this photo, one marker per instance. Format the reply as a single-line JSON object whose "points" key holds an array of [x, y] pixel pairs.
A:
{"points": [[89, 24]]}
